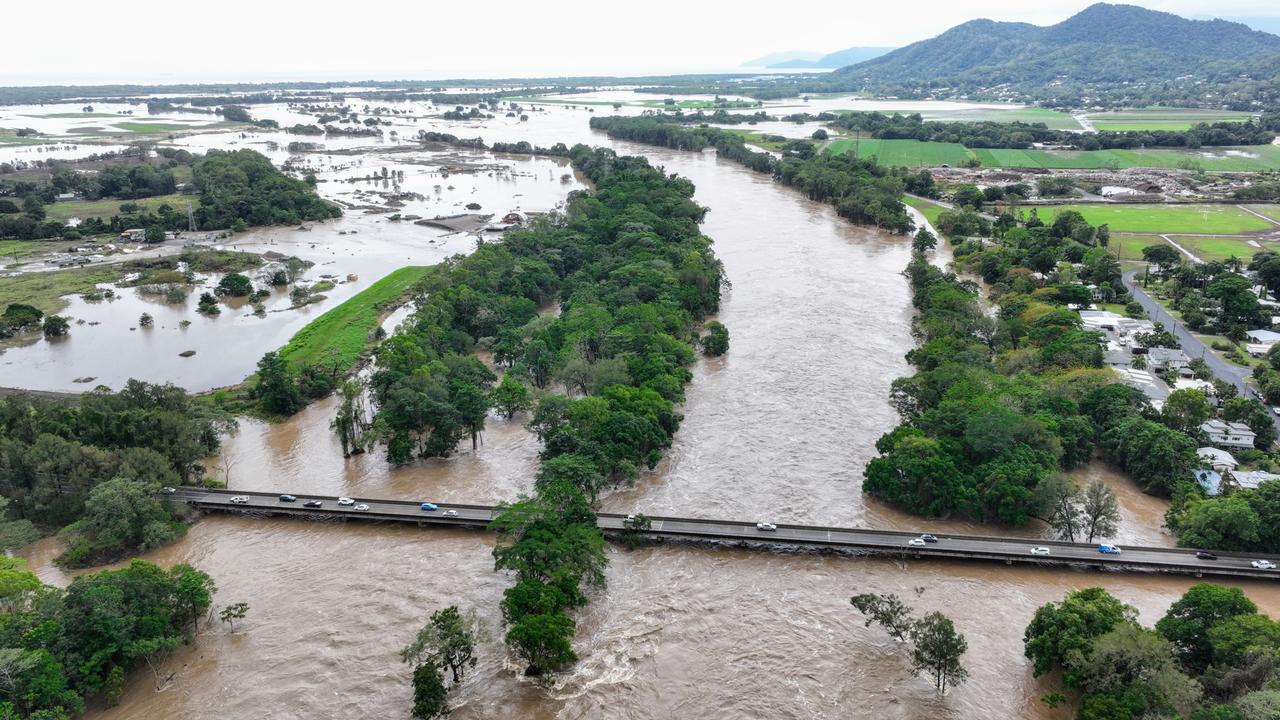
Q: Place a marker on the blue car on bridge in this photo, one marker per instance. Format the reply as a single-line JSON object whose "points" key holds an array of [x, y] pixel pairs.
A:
{"points": [[429, 506]]}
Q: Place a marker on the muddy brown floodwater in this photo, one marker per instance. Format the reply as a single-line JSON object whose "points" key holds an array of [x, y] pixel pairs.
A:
{"points": [[779, 428]]}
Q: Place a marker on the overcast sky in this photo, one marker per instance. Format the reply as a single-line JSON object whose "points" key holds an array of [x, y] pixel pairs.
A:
{"points": [[96, 41]]}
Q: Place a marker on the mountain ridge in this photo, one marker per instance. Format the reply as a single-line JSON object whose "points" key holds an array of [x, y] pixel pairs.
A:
{"points": [[1102, 43]]}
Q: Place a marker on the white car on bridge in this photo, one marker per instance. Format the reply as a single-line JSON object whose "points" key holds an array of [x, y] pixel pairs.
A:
{"points": [[1263, 564], [1039, 551], [766, 526], [240, 499], [346, 501]]}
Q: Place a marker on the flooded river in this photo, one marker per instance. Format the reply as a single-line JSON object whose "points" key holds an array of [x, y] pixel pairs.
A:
{"points": [[779, 428]]}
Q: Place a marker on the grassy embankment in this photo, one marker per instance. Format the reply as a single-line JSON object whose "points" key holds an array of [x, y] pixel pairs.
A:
{"points": [[917, 153], [928, 208], [344, 332]]}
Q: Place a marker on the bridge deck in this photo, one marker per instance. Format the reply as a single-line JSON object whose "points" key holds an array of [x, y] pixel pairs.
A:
{"points": [[968, 547]]}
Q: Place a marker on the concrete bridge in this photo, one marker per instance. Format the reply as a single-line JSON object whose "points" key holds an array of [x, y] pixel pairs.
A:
{"points": [[1005, 550]]}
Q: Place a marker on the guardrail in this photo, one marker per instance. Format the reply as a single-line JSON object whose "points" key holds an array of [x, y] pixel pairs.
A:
{"points": [[744, 533]]}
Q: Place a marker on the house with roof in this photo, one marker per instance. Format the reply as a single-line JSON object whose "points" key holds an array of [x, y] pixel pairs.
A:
{"points": [[1263, 337], [1225, 434], [1167, 359], [1251, 479], [1218, 459]]}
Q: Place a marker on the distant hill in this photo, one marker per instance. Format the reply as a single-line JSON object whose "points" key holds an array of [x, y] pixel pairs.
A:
{"points": [[838, 59], [1102, 44], [773, 59]]}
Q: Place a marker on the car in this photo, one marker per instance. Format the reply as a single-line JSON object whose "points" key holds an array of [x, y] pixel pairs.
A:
{"points": [[1276, 410], [429, 506], [1040, 551], [361, 508], [629, 519], [288, 498], [240, 499], [449, 513], [928, 538], [346, 501], [1263, 564], [312, 504], [768, 526], [1108, 549], [1205, 555], [916, 542], [166, 490]]}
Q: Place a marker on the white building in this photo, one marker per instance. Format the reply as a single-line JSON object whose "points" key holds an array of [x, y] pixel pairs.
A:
{"points": [[1219, 460], [1225, 434]]}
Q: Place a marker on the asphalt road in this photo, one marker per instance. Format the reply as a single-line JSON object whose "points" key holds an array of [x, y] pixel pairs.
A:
{"points": [[1192, 346], [882, 542]]}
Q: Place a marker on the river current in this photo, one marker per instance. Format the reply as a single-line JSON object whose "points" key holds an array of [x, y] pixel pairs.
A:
{"points": [[779, 429]]}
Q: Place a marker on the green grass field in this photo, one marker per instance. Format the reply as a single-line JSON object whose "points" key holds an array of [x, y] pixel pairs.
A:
{"points": [[756, 139], [1129, 247], [74, 115], [1166, 219], [1254, 158], [11, 249], [1051, 118], [153, 127], [8, 138], [915, 153], [45, 290], [1271, 211], [699, 104], [911, 153], [1215, 248], [84, 209], [928, 208], [345, 331], [1162, 118]]}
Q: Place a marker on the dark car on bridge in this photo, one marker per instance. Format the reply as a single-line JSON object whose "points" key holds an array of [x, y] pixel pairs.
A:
{"points": [[312, 504], [288, 498], [1205, 555]]}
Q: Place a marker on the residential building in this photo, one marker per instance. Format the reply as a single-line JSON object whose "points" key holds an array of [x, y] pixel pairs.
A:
{"points": [[1225, 434], [1250, 479], [1219, 460]]}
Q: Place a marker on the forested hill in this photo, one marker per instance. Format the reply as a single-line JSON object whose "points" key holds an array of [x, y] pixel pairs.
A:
{"points": [[1101, 44]]}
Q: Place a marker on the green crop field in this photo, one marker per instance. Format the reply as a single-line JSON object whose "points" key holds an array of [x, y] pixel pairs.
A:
{"points": [[1209, 248], [85, 209], [74, 115], [1129, 247], [1051, 118], [911, 153], [1162, 118], [1254, 158], [1271, 211], [345, 331], [153, 127], [1165, 219], [756, 138]]}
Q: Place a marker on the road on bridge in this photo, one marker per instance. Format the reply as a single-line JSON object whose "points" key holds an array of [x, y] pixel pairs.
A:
{"points": [[880, 542]]}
